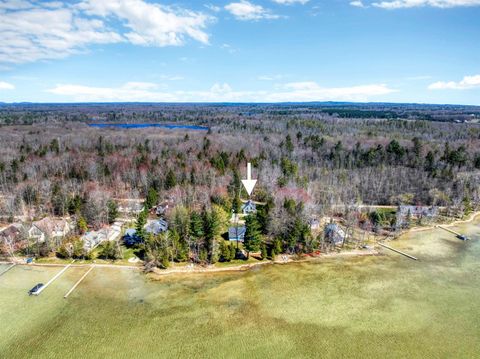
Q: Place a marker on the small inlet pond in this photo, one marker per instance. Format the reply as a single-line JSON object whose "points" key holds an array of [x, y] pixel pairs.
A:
{"points": [[129, 126]]}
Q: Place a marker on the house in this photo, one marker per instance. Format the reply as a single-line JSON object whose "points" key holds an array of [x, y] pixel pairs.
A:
{"points": [[418, 211], [156, 227], [130, 237], [162, 209], [237, 234], [13, 232], [333, 234], [94, 238], [249, 207], [314, 223], [130, 206], [48, 228], [12, 238]]}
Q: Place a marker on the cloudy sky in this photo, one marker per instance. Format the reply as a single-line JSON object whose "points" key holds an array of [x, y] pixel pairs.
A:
{"points": [[240, 50]]}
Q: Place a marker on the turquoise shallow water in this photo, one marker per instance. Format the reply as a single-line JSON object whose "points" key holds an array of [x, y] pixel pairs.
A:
{"points": [[369, 307]]}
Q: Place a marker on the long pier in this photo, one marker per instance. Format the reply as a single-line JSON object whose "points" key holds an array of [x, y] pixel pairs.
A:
{"points": [[398, 251], [78, 282], [53, 279], [459, 235], [6, 270]]}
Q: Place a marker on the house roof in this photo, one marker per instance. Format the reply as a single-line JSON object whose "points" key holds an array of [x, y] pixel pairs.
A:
{"points": [[13, 231], [49, 225], [334, 233], [130, 232], [249, 205], [156, 227], [237, 232], [418, 210]]}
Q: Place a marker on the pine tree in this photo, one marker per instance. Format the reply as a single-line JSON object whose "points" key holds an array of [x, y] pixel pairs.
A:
{"points": [[152, 198], [252, 239], [170, 180], [141, 222], [112, 211]]}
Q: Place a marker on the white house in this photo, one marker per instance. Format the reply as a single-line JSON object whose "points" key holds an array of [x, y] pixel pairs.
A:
{"points": [[48, 228]]}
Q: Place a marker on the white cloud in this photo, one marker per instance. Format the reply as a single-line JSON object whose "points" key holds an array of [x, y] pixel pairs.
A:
{"points": [[220, 92], [357, 3], [6, 86], [151, 24], [270, 77], [35, 30], [213, 8], [311, 91], [399, 4], [131, 91], [245, 10], [468, 82], [32, 32], [290, 2]]}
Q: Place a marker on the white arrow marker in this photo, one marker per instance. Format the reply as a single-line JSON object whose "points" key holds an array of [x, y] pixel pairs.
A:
{"points": [[249, 183]]}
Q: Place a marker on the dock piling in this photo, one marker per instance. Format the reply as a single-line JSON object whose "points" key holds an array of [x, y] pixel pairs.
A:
{"points": [[6, 270], [398, 251], [78, 282], [458, 235], [53, 279]]}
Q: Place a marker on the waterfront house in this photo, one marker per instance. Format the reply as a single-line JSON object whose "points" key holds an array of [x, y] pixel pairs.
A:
{"points": [[236, 234], [131, 238], [13, 238], [48, 228], [156, 227], [333, 234]]}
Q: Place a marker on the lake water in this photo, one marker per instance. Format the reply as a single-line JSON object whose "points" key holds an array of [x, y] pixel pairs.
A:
{"points": [[147, 125], [370, 307]]}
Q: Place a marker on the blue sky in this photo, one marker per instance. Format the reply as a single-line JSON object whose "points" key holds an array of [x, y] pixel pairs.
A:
{"points": [[425, 51]]}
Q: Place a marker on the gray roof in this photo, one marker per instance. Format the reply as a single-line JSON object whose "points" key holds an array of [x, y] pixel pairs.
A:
{"points": [[236, 233], [130, 232], [334, 234], [156, 227], [419, 211], [248, 207]]}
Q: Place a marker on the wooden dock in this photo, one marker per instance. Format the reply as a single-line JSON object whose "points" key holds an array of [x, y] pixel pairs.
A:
{"points": [[6, 270], [53, 279], [458, 235], [78, 282], [398, 251]]}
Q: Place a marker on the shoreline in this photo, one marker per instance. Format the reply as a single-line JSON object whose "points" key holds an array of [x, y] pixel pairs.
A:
{"points": [[469, 219], [157, 273]]}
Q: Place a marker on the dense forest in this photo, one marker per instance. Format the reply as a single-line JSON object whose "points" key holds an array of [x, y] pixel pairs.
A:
{"points": [[310, 161]]}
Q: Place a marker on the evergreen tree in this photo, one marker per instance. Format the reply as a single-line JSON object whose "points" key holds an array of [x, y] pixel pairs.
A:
{"points": [[252, 239], [196, 225], [211, 228], [152, 198], [112, 211], [141, 222], [170, 180], [82, 225]]}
